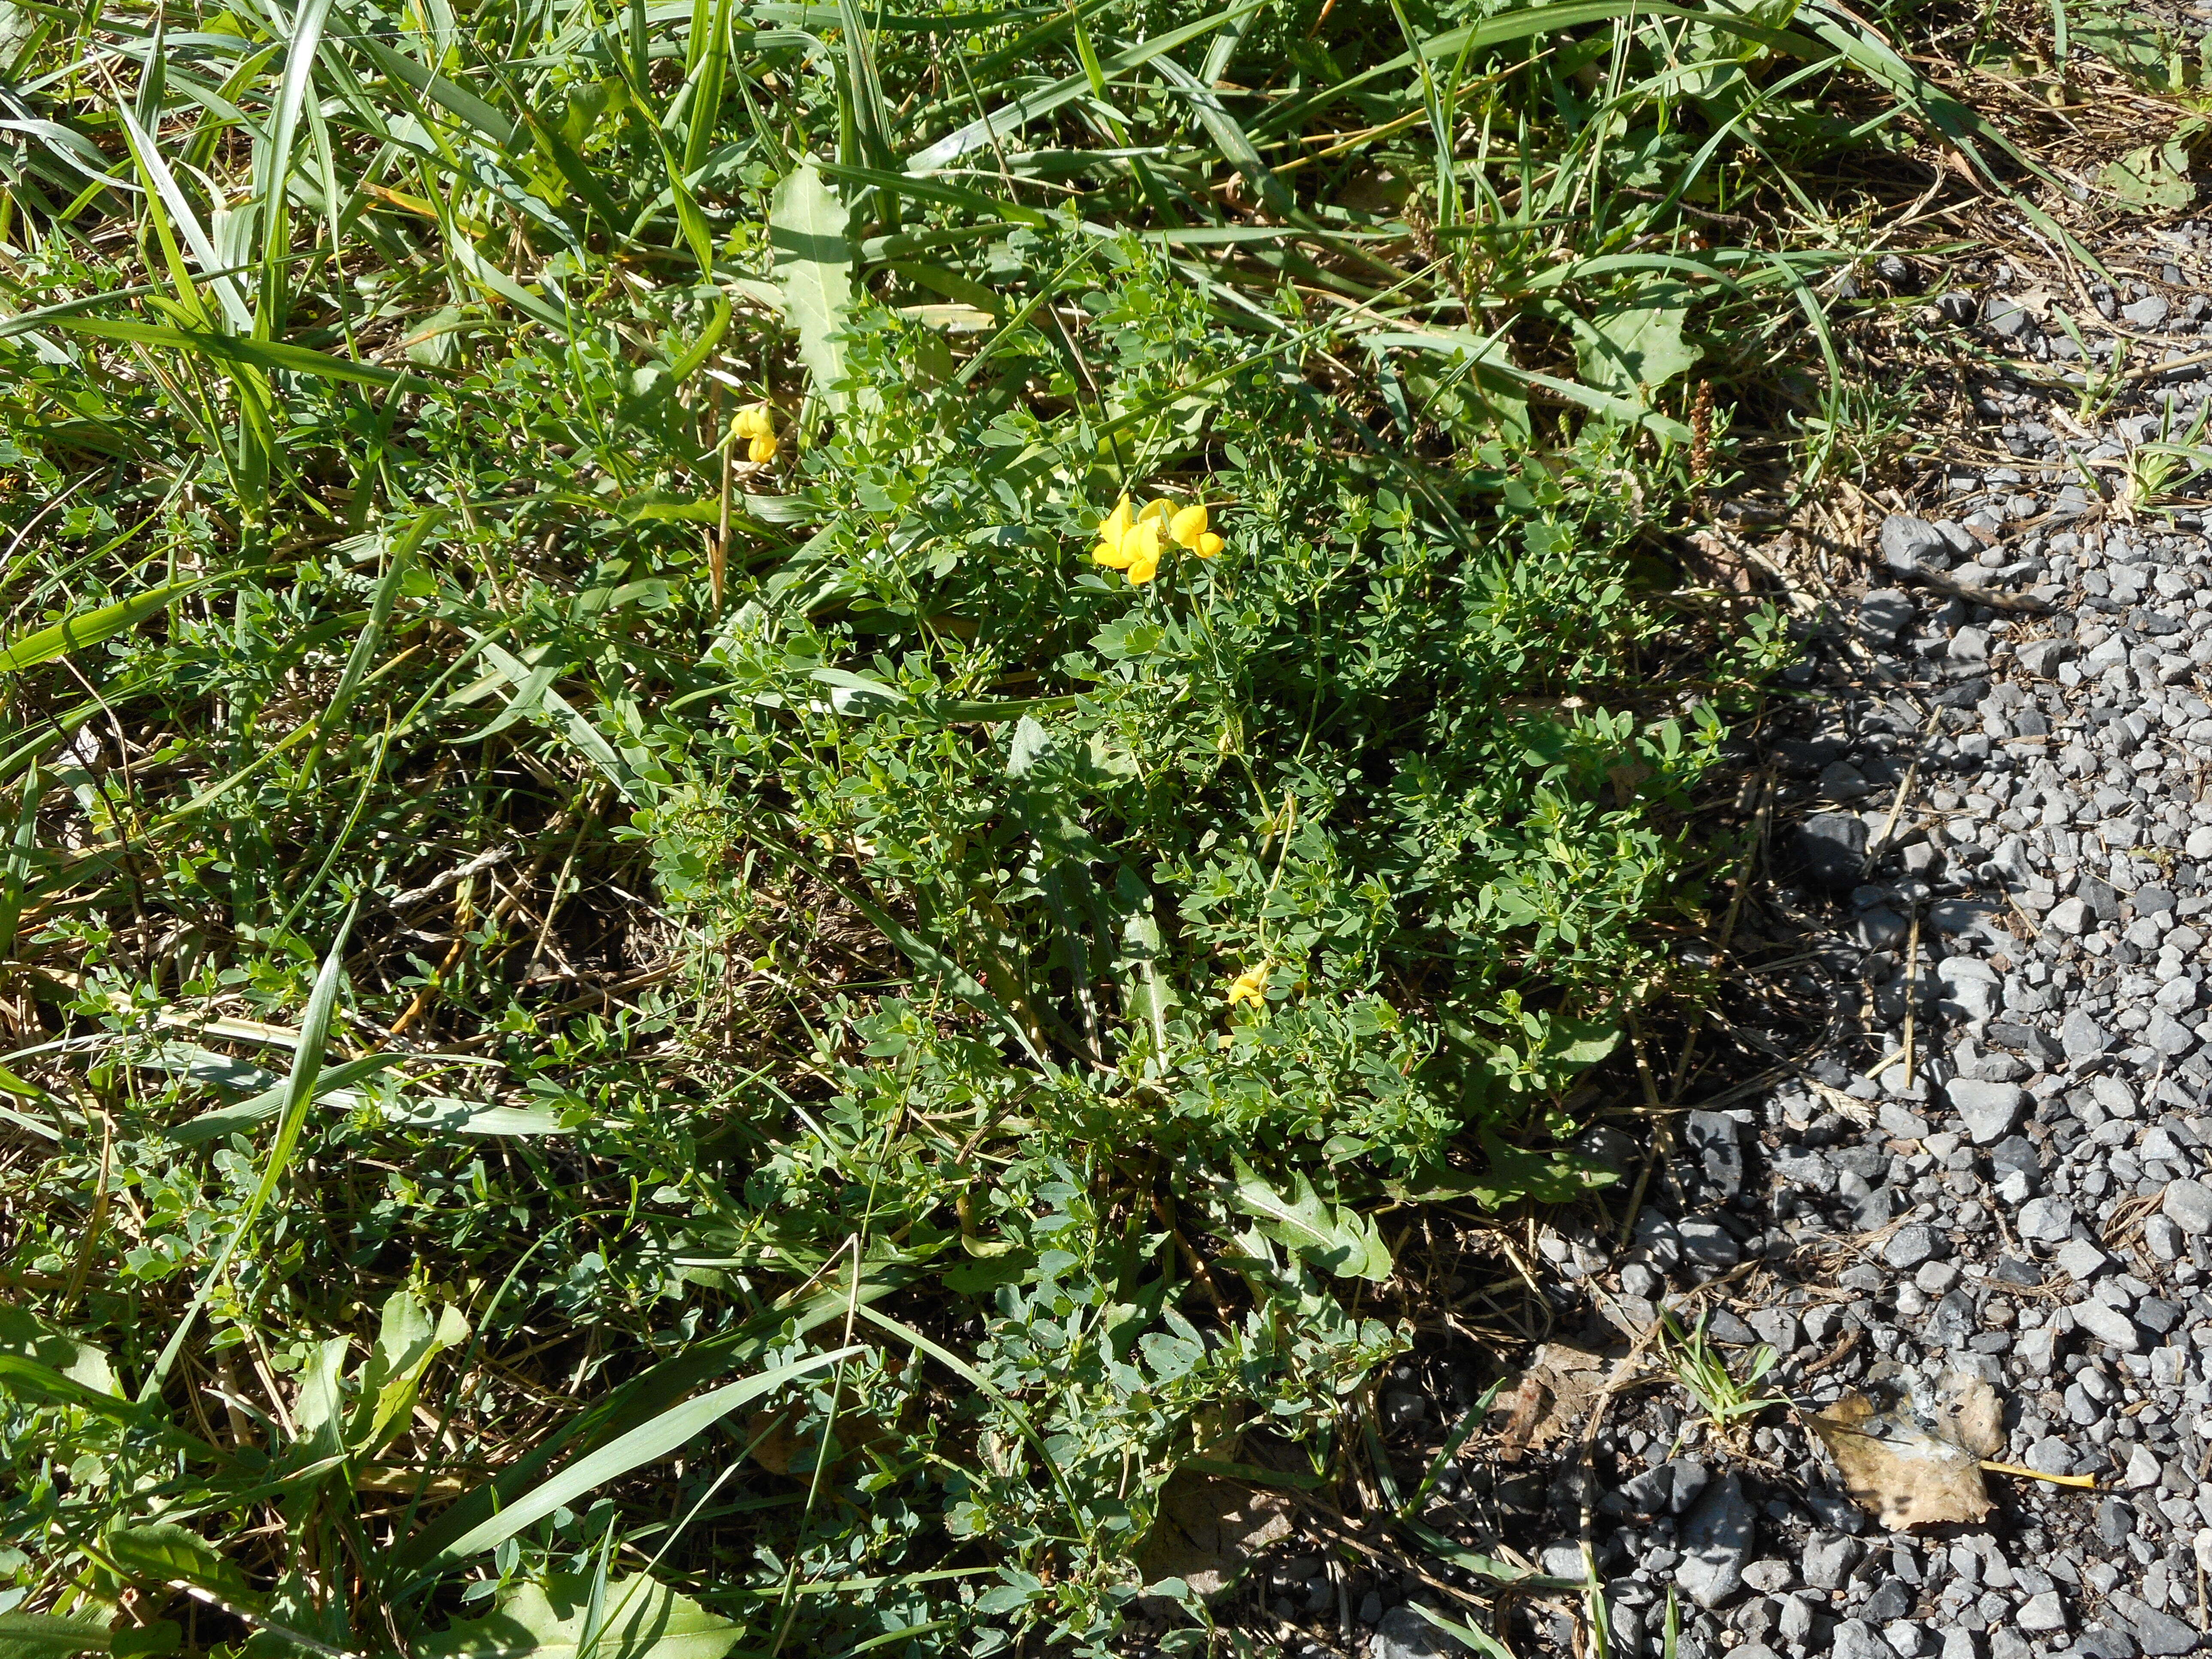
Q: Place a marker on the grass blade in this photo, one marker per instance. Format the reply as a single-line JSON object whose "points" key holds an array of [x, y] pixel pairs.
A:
{"points": [[88, 627], [1005, 121], [280, 355], [340, 705], [298, 1095], [273, 163], [647, 1443]]}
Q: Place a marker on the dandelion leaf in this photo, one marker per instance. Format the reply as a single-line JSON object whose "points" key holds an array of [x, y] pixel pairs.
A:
{"points": [[1332, 1236], [54, 1635], [1637, 346], [21, 1334], [2151, 179]]}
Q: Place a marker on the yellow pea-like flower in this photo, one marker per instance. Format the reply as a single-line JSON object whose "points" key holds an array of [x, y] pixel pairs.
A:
{"points": [[755, 421], [1207, 545], [1142, 545], [761, 451], [1188, 526], [1250, 985], [1113, 532]]}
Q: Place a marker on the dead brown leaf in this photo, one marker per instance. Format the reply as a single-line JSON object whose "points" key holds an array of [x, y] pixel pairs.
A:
{"points": [[1918, 1464], [1969, 1414], [1550, 1397], [1208, 1528]]}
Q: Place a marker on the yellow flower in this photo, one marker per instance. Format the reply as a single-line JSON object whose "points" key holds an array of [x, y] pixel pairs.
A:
{"points": [[1250, 985], [1142, 545], [1112, 533], [1134, 542], [756, 425], [1190, 529]]}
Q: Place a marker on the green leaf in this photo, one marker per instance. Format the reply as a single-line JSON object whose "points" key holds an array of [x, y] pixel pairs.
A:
{"points": [[1635, 347], [2152, 179], [316, 1412], [407, 1341], [53, 1635], [1488, 361], [399, 559], [647, 1443], [1334, 1236], [1003, 123], [88, 627], [21, 1334], [1549, 1177], [298, 1095], [639, 1620], [144, 1641], [1480, 1641], [220, 1122], [279, 355], [814, 268], [167, 1553], [1576, 1045]]}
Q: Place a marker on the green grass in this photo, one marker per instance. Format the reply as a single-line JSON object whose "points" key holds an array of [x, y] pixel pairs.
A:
{"points": [[616, 1036], [1726, 1400]]}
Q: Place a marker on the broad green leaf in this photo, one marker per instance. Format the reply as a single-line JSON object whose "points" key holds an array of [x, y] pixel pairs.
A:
{"points": [[167, 1553], [407, 1341], [90, 628], [1638, 346], [638, 1618], [806, 231], [53, 1635], [145, 1641], [1332, 1236], [22, 1333], [2152, 178], [1575, 1045], [1548, 1177], [317, 1408], [1488, 358]]}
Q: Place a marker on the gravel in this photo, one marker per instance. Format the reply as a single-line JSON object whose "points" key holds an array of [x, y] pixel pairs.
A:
{"points": [[2033, 1204], [1716, 1542], [1402, 1633], [2188, 1205], [1999, 823], [1989, 1110]]}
